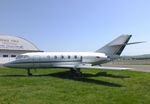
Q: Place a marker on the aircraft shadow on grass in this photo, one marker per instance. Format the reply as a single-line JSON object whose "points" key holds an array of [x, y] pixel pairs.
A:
{"points": [[85, 78]]}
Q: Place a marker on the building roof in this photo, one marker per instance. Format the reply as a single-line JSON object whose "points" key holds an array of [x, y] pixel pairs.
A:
{"points": [[8, 42]]}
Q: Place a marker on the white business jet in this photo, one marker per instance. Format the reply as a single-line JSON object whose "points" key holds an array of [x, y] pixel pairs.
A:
{"points": [[73, 60]]}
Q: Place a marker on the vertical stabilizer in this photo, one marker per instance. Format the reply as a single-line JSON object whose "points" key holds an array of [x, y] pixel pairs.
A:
{"points": [[116, 46]]}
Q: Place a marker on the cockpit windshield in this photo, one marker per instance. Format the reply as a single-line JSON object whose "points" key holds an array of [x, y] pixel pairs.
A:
{"points": [[22, 57]]}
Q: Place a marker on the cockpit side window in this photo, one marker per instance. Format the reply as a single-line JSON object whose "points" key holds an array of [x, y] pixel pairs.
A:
{"points": [[22, 57], [26, 56], [19, 56]]}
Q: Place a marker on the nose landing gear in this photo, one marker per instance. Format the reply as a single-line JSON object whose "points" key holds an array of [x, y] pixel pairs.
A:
{"points": [[28, 72]]}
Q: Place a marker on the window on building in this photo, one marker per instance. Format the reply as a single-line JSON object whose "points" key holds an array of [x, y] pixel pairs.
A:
{"points": [[5, 55]]}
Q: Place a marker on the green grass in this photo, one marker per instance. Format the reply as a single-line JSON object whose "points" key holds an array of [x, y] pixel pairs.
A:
{"points": [[54, 86]]}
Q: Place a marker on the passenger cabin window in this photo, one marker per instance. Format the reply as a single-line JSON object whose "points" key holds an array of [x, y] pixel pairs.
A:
{"points": [[69, 57], [55, 57], [75, 57], [13, 55], [62, 57], [5, 55]]}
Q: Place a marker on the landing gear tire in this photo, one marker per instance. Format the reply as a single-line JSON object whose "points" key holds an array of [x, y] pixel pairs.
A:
{"points": [[76, 73]]}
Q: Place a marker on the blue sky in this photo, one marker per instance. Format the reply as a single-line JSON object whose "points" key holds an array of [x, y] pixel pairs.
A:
{"points": [[77, 25]]}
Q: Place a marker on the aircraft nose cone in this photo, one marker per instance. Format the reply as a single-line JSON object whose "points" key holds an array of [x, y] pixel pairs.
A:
{"points": [[7, 65]]}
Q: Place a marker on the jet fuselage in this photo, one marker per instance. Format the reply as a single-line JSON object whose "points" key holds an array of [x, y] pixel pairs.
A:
{"points": [[57, 59]]}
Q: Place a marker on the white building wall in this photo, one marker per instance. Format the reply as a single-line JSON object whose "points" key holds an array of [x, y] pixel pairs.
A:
{"points": [[12, 45], [9, 53]]}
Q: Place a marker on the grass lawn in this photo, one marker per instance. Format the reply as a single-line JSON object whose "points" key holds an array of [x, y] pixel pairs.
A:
{"points": [[54, 86]]}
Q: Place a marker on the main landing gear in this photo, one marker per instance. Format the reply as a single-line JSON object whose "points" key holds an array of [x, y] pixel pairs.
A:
{"points": [[76, 72], [28, 72]]}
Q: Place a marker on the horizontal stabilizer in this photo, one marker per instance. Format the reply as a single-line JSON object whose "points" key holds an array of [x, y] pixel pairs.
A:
{"points": [[116, 46], [127, 43], [135, 43]]}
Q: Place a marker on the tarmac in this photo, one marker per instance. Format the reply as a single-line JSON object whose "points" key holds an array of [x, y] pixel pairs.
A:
{"points": [[143, 68]]}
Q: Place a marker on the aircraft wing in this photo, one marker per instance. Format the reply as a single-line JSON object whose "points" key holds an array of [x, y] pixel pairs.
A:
{"points": [[92, 67], [105, 68]]}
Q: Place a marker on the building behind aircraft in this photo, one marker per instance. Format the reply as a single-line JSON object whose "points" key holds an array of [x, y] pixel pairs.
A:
{"points": [[12, 46]]}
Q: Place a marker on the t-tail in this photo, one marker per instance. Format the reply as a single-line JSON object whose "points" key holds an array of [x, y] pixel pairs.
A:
{"points": [[115, 47]]}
